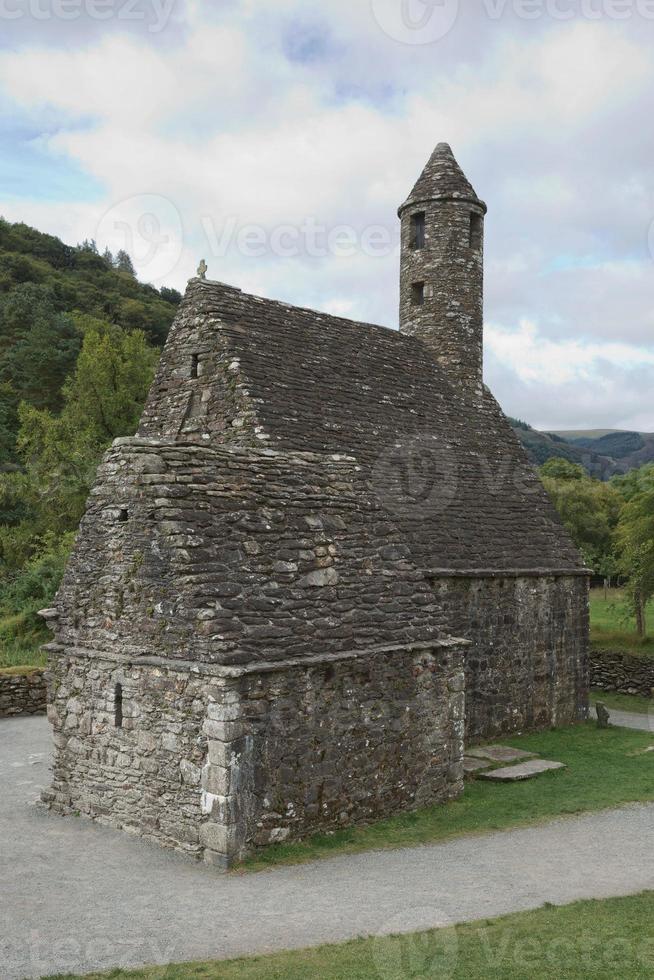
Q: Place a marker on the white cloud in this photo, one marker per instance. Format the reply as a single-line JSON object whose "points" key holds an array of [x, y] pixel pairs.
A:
{"points": [[216, 118], [536, 360]]}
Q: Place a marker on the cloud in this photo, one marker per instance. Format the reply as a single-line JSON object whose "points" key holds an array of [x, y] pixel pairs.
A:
{"points": [[250, 114]]}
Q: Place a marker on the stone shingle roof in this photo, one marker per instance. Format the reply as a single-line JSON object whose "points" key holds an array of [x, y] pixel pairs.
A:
{"points": [[452, 475], [442, 180], [237, 555]]}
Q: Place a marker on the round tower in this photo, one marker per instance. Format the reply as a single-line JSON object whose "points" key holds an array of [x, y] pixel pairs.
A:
{"points": [[442, 269]]}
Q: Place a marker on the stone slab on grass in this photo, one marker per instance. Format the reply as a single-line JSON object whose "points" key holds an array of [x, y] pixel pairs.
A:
{"points": [[499, 753], [525, 770], [471, 765]]}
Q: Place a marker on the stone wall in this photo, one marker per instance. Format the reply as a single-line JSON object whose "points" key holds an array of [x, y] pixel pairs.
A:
{"points": [[451, 269], [620, 672], [22, 694], [527, 667], [219, 761]]}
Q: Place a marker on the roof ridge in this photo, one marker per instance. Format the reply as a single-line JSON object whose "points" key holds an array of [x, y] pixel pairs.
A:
{"points": [[193, 284]]}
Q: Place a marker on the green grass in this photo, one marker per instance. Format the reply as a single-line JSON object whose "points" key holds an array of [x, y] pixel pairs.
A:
{"points": [[597, 939], [623, 702], [16, 671], [613, 628], [20, 641], [485, 807]]}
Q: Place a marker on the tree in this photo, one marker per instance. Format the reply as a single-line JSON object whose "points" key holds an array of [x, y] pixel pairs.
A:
{"points": [[635, 535], [8, 425], [103, 399], [590, 510], [170, 295], [562, 469], [124, 263], [635, 482], [39, 345]]}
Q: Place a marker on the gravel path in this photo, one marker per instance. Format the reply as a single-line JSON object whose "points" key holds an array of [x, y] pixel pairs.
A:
{"points": [[76, 897], [627, 719]]}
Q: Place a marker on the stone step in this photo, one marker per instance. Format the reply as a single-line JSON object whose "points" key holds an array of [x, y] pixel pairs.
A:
{"points": [[522, 771], [499, 753], [475, 765]]}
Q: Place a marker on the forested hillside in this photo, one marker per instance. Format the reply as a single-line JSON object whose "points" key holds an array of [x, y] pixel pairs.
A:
{"points": [[79, 342], [602, 456]]}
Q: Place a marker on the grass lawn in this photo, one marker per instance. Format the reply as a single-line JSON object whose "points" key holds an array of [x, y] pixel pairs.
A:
{"points": [[20, 642], [601, 940], [16, 671], [623, 702], [612, 628], [625, 777]]}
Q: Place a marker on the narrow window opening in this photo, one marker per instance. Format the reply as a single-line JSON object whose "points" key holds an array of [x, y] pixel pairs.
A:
{"points": [[418, 230], [195, 362], [123, 515], [118, 706], [418, 294], [476, 228]]}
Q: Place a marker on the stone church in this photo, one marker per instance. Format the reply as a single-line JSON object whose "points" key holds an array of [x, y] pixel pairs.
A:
{"points": [[323, 563]]}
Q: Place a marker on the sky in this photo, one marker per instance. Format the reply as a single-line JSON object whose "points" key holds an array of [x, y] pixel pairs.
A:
{"points": [[277, 138]]}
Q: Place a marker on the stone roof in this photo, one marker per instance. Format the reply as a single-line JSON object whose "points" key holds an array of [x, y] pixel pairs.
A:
{"points": [[238, 555], [451, 475], [442, 180]]}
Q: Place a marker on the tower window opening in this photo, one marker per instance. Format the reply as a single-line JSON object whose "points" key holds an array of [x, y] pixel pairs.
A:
{"points": [[123, 515], [118, 706], [476, 227], [195, 364], [418, 294], [418, 230]]}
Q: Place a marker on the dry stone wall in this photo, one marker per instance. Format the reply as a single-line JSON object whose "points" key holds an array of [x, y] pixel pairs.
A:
{"points": [[611, 671], [527, 666], [22, 694], [218, 762]]}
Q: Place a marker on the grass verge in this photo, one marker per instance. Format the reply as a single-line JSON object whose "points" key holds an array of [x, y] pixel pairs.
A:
{"points": [[623, 702], [613, 628], [18, 670], [484, 807], [21, 640], [597, 939]]}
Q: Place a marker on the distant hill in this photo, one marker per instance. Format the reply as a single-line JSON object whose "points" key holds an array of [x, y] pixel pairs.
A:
{"points": [[79, 279], [602, 452]]}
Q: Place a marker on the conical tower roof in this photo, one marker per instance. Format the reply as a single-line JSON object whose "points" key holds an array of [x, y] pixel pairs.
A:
{"points": [[442, 180]]}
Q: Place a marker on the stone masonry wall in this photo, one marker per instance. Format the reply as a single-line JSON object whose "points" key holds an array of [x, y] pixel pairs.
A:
{"points": [[611, 671], [527, 667], [22, 694], [221, 761], [451, 267], [143, 777]]}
